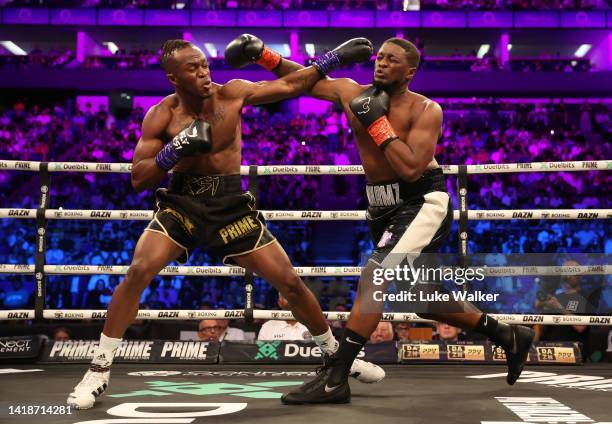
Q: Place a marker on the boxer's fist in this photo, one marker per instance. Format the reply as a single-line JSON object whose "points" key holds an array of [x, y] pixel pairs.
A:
{"points": [[371, 108], [193, 140], [246, 49], [353, 51]]}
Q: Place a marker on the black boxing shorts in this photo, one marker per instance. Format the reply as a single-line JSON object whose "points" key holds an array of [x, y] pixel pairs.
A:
{"points": [[212, 212], [408, 218]]}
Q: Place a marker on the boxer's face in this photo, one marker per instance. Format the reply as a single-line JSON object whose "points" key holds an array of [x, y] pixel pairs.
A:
{"points": [[190, 72], [391, 67]]}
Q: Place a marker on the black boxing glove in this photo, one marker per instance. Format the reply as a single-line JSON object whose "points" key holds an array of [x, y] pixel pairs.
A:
{"points": [[371, 108], [353, 51], [246, 49], [194, 139]]}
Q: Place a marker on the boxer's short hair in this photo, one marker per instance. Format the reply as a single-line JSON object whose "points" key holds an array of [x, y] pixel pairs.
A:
{"points": [[412, 52], [168, 50]]}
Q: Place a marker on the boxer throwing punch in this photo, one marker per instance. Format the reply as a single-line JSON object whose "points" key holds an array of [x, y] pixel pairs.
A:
{"points": [[409, 213], [196, 133]]}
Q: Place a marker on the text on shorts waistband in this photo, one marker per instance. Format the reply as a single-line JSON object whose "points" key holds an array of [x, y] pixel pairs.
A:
{"points": [[393, 193], [207, 186]]}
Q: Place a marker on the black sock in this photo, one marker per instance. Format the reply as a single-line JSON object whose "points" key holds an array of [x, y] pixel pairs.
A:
{"points": [[498, 332], [350, 346]]}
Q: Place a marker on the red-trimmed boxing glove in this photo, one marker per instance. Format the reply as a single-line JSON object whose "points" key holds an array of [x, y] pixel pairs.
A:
{"points": [[371, 108], [246, 49]]}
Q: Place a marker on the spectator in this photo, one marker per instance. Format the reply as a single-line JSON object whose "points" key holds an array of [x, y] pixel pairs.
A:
{"points": [[283, 330], [382, 333], [570, 301], [61, 334], [402, 331], [218, 330], [447, 333]]}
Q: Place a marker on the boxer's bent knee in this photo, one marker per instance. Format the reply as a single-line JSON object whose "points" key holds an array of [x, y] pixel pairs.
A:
{"points": [[292, 287], [139, 274]]}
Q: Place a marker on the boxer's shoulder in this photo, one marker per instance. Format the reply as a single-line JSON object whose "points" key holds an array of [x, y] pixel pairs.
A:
{"points": [[234, 89]]}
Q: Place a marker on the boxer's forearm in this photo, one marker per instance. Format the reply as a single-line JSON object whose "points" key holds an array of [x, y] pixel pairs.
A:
{"points": [[286, 67], [302, 80], [146, 174]]}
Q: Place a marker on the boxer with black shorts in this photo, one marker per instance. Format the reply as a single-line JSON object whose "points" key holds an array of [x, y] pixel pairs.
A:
{"points": [[409, 213], [204, 204]]}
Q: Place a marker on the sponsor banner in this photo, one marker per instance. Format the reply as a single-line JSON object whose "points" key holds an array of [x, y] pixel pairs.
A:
{"points": [[421, 351], [259, 18], [120, 17], [218, 18], [26, 16], [76, 16], [443, 19], [557, 354], [27, 347], [277, 352], [381, 353], [17, 213], [490, 19], [465, 352], [397, 19], [485, 352], [135, 351]]}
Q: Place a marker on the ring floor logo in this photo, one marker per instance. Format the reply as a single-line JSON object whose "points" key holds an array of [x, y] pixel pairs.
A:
{"points": [[571, 381], [158, 413], [541, 410], [259, 390]]}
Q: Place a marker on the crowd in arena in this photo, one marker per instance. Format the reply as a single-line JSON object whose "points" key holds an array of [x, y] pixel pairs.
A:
{"points": [[476, 131]]}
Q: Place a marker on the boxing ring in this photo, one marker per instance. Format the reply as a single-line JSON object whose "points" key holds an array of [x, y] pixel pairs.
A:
{"points": [[216, 393]]}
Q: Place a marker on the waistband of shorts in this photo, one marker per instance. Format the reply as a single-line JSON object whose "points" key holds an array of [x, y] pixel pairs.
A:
{"points": [[396, 192], [205, 186]]}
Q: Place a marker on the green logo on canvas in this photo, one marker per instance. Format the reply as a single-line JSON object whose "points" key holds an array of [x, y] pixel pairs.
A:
{"points": [[260, 390]]}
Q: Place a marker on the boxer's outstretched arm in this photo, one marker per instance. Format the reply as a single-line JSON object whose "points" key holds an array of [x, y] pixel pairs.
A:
{"points": [[326, 89], [145, 172], [257, 93]]}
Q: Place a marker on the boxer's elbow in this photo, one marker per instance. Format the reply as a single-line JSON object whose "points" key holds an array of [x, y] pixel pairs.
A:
{"points": [[408, 173], [139, 183]]}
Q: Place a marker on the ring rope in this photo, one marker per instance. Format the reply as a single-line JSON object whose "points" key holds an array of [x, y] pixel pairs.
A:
{"points": [[476, 215], [198, 314], [306, 271], [322, 169]]}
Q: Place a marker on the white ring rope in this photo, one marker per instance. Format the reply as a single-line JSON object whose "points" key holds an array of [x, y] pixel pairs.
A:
{"points": [[305, 215], [475, 215], [305, 271], [322, 169], [198, 314]]}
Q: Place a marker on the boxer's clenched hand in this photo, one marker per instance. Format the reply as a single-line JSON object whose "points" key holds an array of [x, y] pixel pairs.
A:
{"points": [[246, 49], [371, 108], [194, 139], [355, 50]]}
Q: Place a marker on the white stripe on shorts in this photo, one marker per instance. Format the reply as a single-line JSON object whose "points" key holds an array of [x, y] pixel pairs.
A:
{"points": [[421, 230]]}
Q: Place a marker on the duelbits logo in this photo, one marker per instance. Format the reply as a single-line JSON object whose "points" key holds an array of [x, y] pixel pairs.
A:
{"points": [[259, 390], [267, 350]]}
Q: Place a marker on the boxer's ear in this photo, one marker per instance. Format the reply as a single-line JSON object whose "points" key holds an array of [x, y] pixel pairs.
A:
{"points": [[171, 78]]}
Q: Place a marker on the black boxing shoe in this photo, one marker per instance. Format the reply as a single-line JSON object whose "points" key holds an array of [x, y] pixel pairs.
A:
{"points": [[517, 353], [323, 388]]}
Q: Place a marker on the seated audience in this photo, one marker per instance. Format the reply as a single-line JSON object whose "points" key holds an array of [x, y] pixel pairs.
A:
{"points": [[283, 330]]}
